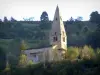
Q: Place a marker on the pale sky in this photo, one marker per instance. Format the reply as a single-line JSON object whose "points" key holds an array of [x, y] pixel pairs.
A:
{"points": [[34, 8]]}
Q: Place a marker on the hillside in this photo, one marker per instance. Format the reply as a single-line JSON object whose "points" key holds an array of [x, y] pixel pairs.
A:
{"points": [[77, 32]]}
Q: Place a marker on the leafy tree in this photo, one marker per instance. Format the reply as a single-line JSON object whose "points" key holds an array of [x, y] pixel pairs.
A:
{"points": [[2, 59], [70, 21], [85, 29], [12, 19], [79, 18], [30, 62], [23, 45], [12, 60], [95, 17], [0, 20], [44, 16], [29, 19], [44, 24], [98, 53], [93, 38], [72, 53], [22, 60], [87, 53], [23, 57], [5, 19]]}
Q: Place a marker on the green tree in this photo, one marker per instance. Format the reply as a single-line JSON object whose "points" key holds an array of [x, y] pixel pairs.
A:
{"points": [[12, 19], [44, 24], [44, 16], [93, 38], [88, 53], [98, 53], [22, 60], [2, 59], [95, 17], [23, 45], [79, 18], [0, 21], [5, 19], [22, 57], [30, 62], [72, 53]]}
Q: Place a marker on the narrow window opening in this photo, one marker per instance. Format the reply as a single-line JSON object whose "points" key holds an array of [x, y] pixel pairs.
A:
{"points": [[63, 33], [54, 39], [63, 39], [56, 18], [55, 33]]}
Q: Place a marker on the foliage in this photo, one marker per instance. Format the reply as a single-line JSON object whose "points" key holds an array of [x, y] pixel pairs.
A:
{"points": [[23, 45], [79, 18], [7, 67], [95, 17], [85, 30], [2, 59], [94, 38], [44, 24], [5, 19], [72, 53], [44, 16], [12, 60], [88, 53], [12, 19], [86, 67], [30, 62], [22, 60], [98, 53]]}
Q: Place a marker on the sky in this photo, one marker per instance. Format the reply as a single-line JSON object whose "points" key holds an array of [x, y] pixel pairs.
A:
{"points": [[20, 9]]}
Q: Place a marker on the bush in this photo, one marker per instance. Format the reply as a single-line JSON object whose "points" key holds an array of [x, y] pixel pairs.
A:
{"points": [[72, 53], [88, 53]]}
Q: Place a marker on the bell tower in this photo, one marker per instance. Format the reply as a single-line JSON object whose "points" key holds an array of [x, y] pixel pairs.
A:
{"points": [[58, 37]]}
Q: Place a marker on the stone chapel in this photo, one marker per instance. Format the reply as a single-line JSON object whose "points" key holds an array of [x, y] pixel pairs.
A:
{"points": [[58, 43]]}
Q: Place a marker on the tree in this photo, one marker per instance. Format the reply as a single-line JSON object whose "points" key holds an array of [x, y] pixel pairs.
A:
{"points": [[93, 38], [72, 53], [85, 29], [98, 53], [30, 62], [22, 60], [45, 24], [87, 53], [0, 20], [29, 19], [5, 19], [23, 45], [12, 19], [95, 17], [79, 18], [44, 16], [23, 57], [71, 19], [2, 59]]}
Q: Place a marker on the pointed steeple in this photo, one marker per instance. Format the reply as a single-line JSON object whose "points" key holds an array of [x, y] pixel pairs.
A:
{"points": [[58, 34]]}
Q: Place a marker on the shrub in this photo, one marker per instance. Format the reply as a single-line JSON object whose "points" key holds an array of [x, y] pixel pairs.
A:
{"points": [[72, 53]]}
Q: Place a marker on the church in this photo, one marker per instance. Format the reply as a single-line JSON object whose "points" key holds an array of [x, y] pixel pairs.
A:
{"points": [[58, 43]]}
